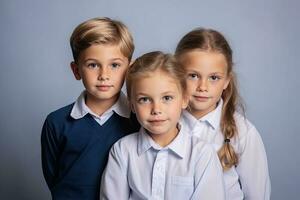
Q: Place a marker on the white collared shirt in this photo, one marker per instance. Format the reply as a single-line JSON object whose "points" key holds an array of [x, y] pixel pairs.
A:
{"points": [[252, 169], [80, 109], [138, 168]]}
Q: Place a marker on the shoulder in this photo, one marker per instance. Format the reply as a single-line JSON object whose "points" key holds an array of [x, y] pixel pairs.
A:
{"points": [[245, 128], [58, 118], [248, 136], [61, 113], [126, 144]]}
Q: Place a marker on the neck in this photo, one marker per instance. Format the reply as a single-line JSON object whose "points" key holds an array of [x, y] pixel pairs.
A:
{"points": [[99, 106], [164, 139], [198, 114]]}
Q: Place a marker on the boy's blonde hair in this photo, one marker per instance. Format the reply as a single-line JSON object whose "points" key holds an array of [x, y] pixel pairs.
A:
{"points": [[101, 31], [151, 62], [213, 41]]}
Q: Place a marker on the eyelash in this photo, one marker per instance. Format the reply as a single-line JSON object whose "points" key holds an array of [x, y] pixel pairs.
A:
{"points": [[143, 100], [214, 78], [168, 98], [92, 65], [96, 65], [115, 65], [195, 76]]}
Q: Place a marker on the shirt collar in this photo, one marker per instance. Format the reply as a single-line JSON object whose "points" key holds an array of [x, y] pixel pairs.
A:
{"points": [[178, 146], [80, 109], [213, 118]]}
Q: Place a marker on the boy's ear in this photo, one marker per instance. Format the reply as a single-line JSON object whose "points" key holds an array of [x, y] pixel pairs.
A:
{"points": [[75, 70], [132, 108]]}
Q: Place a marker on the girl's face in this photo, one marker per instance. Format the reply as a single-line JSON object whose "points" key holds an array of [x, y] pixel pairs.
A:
{"points": [[206, 79], [157, 101]]}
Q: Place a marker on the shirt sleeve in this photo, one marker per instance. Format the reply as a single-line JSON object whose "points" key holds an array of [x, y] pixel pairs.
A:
{"points": [[50, 152], [253, 167], [209, 182], [114, 184]]}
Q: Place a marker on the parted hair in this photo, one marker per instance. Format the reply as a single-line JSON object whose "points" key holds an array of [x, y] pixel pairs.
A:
{"points": [[151, 62], [101, 31], [213, 41]]}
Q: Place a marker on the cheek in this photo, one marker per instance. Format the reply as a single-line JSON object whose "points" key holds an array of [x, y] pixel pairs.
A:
{"points": [[191, 86], [119, 77], [141, 111]]}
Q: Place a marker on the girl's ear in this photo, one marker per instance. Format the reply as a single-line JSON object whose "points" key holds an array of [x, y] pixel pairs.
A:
{"points": [[185, 101], [75, 70], [131, 62], [227, 81]]}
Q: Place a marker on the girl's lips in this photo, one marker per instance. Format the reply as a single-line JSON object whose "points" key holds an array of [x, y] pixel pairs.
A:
{"points": [[156, 122], [201, 98]]}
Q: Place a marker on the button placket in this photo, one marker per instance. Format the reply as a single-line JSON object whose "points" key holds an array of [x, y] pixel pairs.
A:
{"points": [[159, 175]]}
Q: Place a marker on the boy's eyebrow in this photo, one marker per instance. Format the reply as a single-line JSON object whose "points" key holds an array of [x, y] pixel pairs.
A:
{"points": [[115, 59], [96, 60]]}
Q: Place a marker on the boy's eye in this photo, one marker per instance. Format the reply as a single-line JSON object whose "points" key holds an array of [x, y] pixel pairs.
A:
{"points": [[115, 65], [193, 76], [168, 98], [92, 65], [143, 100], [214, 78]]}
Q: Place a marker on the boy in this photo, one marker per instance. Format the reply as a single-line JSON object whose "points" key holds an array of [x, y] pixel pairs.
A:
{"points": [[76, 138]]}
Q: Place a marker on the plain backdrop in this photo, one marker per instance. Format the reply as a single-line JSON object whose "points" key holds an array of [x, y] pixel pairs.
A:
{"points": [[35, 76]]}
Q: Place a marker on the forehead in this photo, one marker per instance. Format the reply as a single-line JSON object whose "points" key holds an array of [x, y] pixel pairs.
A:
{"points": [[102, 51], [204, 60], [156, 82]]}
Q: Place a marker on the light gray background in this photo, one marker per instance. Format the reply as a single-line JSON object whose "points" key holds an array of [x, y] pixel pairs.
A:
{"points": [[35, 77]]}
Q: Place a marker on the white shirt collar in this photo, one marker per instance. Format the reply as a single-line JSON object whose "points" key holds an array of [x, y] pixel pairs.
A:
{"points": [[80, 109], [213, 118], [178, 146]]}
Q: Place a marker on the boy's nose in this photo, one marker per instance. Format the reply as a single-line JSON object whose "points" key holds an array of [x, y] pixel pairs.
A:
{"points": [[103, 74]]}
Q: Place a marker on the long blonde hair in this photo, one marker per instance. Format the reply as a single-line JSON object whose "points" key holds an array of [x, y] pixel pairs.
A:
{"points": [[213, 41]]}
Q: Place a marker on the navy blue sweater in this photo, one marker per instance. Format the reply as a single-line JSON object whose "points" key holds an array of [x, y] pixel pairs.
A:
{"points": [[75, 152]]}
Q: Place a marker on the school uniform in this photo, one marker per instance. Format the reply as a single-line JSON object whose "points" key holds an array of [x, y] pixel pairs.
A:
{"points": [[75, 146], [138, 168], [248, 180]]}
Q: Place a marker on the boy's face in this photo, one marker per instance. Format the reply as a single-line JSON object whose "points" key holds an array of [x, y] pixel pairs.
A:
{"points": [[206, 79], [157, 101], [102, 69]]}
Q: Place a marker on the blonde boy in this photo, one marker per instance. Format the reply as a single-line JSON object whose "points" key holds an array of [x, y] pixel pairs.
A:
{"points": [[76, 138]]}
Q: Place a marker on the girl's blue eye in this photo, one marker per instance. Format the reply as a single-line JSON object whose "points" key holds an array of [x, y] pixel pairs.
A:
{"points": [[144, 100], [168, 98], [115, 65], [214, 78], [193, 76]]}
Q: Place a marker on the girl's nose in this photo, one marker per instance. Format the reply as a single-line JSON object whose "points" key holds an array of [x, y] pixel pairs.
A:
{"points": [[202, 85], [156, 109]]}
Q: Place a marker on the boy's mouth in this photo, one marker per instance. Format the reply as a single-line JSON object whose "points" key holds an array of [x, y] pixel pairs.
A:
{"points": [[103, 87]]}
